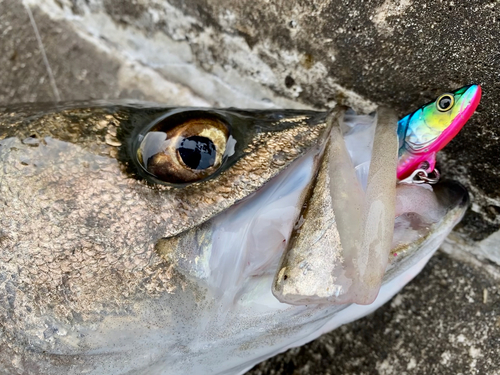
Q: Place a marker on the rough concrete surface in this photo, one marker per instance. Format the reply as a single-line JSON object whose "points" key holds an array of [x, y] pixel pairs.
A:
{"points": [[307, 54]]}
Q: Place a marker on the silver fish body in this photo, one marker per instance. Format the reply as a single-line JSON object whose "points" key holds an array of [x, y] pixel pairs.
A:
{"points": [[105, 270]]}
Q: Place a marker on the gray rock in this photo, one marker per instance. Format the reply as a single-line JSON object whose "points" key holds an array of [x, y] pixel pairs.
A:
{"points": [[307, 54]]}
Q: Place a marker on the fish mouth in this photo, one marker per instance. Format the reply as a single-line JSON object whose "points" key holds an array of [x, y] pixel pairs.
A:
{"points": [[334, 260], [251, 242], [427, 228]]}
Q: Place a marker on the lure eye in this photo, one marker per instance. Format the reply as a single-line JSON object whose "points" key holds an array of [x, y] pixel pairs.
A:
{"points": [[184, 151], [445, 102]]}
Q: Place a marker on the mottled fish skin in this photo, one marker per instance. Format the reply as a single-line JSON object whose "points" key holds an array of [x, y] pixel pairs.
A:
{"points": [[87, 283], [78, 225]]}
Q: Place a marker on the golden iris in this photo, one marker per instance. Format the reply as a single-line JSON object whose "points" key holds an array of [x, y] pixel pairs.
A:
{"points": [[445, 102], [188, 151]]}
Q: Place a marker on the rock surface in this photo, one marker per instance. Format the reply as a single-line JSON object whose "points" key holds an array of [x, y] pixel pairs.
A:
{"points": [[306, 54]]}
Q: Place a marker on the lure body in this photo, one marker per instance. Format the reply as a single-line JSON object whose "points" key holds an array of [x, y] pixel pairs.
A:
{"points": [[427, 130]]}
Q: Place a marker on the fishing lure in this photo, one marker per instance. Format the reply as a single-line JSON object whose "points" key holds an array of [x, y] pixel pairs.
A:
{"points": [[423, 133]]}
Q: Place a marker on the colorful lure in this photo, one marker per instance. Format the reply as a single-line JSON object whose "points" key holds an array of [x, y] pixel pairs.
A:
{"points": [[427, 130]]}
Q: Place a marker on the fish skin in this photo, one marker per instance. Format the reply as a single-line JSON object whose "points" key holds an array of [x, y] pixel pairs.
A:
{"points": [[104, 129], [79, 228]]}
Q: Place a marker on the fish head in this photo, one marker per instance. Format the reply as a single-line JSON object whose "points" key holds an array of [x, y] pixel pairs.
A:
{"points": [[144, 239], [430, 128]]}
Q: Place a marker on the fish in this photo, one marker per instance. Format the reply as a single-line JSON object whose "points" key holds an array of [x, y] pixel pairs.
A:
{"points": [[142, 239]]}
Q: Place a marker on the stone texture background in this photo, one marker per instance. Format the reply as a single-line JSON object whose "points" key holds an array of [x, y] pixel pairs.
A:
{"points": [[307, 54]]}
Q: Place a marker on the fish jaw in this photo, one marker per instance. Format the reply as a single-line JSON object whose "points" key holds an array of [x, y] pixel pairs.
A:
{"points": [[412, 155], [325, 262]]}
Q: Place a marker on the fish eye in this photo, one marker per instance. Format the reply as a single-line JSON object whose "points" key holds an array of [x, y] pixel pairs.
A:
{"points": [[445, 102], [180, 149]]}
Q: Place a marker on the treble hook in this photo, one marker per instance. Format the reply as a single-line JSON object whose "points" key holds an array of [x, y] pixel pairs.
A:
{"points": [[421, 176]]}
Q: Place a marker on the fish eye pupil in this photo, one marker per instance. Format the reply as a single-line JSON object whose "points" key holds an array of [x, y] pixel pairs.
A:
{"points": [[197, 152], [445, 102]]}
